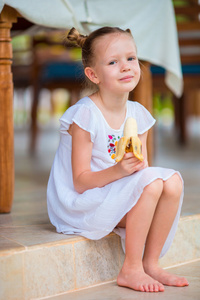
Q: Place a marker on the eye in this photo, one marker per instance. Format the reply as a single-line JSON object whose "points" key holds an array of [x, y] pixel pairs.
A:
{"points": [[131, 58], [112, 62]]}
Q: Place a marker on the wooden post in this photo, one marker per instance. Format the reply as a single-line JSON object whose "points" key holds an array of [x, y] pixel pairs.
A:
{"points": [[143, 94], [7, 16]]}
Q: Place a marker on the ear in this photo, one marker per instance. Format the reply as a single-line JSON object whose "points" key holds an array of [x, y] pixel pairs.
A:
{"points": [[90, 73]]}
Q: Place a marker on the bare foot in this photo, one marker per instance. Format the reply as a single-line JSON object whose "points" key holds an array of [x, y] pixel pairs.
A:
{"points": [[166, 278], [139, 281]]}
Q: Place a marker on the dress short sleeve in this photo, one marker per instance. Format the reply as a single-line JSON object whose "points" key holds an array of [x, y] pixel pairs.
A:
{"points": [[82, 115], [143, 117]]}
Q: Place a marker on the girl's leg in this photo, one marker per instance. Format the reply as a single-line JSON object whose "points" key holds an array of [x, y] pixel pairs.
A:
{"points": [[138, 221], [162, 222]]}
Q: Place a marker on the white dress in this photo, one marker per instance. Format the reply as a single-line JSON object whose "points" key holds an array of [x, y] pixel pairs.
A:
{"points": [[96, 212]]}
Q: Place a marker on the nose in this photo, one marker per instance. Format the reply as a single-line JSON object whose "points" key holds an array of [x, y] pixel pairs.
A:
{"points": [[125, 66]]}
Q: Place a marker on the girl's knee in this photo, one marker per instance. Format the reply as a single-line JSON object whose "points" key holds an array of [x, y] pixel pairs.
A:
{"points": [[173, 186], [155, 188]]}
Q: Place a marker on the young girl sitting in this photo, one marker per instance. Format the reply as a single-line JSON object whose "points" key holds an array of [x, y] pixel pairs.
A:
{"points": [[88, 193]]}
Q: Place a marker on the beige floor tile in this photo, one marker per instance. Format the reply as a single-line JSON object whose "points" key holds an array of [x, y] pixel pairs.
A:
{"points": [[112, 292], [7, 247], [11, 277], [185, 246], [48, 271], [191, 269], [23, 219], [35, 235], [197, 235], [96, 261]]}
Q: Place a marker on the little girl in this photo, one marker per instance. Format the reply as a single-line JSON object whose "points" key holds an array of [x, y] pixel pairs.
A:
{"points": [[88, 193]]}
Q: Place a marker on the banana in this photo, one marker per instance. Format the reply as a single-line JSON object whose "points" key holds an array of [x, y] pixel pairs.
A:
{"points": [[130, 141]]}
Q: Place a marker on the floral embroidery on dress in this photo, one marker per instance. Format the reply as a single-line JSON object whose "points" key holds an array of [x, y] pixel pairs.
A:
{"points": [[112, 143]]}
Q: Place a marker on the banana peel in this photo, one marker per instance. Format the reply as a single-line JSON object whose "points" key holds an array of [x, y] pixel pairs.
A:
{"points": [[130, 141]]}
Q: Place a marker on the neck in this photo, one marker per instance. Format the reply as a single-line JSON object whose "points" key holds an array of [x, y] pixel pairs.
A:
{"points": [[112, 102], [112, 106]]}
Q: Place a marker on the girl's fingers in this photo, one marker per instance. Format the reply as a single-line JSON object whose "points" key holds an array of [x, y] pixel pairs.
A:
{"points": [[131, 164], [130, 155]]}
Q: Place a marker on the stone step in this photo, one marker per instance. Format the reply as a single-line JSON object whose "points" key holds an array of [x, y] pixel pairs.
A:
{"points": [[36, 262], [111, 291]]}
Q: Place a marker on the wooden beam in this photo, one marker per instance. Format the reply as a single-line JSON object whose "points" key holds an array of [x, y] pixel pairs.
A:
{"points": [[7, 17], [185, 26]]}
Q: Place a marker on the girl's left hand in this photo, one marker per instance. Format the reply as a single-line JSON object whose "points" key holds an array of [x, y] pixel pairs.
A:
{"points": [[130, 164], [145, 164]]}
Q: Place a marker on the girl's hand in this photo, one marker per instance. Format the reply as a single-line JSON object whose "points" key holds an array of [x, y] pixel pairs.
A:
{"points": [[130, 164]]}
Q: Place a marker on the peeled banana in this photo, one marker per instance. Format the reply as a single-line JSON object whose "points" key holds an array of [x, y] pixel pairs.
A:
{"points": [[130, 141]]}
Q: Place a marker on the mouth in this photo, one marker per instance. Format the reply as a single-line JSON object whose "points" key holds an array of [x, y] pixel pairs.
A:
{"points": [[126, 78]]}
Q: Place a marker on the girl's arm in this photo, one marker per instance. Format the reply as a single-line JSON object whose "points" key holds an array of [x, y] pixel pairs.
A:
{"points": [[83, 177]]}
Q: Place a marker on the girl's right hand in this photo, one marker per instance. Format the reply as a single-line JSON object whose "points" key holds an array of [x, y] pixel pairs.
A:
{"points": [[130, 164]]}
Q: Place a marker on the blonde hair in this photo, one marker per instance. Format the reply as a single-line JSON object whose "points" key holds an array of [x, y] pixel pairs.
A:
{"points": [[87, 42], [75, 36]]}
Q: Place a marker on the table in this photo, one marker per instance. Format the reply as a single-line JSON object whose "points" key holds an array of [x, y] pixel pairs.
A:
{"points": [[151, 22]]}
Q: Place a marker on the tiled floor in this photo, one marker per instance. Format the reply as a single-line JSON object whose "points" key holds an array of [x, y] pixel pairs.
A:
{"points": [[112, 292]]}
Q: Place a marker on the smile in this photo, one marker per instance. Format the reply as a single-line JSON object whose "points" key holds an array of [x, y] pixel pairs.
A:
{"points": [[126, 78]]}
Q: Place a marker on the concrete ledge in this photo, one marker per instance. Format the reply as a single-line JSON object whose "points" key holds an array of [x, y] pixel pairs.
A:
{"points": [[186, 244], [71, 263]]}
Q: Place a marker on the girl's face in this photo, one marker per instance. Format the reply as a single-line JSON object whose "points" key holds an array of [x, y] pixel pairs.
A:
{"points": [[116, 67]]}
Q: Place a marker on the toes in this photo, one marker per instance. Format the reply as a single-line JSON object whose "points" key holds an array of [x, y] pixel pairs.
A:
{"points": [[146, 288], [156, 288], [179, 282], [186, 282], [141, 288], [182, 282], [161, 288], [151, 288]]}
